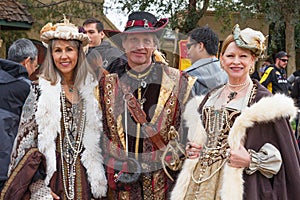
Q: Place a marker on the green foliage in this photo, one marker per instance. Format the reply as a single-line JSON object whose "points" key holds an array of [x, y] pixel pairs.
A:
{"points": [[297, 35], [55, 9], [293, 124], [53, 12], [161, 7], [10, 36], [275, 12], [181, 13]]}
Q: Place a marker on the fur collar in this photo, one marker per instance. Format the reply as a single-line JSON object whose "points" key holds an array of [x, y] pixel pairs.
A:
{"points": [[258, 112], [48, 107]]}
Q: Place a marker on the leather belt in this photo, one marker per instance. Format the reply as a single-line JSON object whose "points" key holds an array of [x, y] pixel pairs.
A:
{"points": [[139, 116]]}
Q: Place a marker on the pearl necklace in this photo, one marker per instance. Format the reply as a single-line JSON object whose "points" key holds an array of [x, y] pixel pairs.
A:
{"points": [[237, 85], [233, 93], [215, 120], [76, 148]]}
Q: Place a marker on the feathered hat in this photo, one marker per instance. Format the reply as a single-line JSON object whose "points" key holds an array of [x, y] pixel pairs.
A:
{"points": [[250, 39], [64, 31]]}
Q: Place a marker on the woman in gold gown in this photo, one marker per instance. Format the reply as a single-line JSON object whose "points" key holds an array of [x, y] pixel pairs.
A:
{"points": [[241, 145]]}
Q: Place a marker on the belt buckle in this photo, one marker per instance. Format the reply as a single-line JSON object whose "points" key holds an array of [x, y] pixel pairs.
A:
{"points": [[132, 23]]}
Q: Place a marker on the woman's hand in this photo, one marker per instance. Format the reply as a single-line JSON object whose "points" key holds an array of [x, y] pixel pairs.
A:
{"points": [[55, 196], [192, 150], [239, 158]]}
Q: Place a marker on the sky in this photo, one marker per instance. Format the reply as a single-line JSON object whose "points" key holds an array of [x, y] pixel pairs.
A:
{"points": [[115, 15]]}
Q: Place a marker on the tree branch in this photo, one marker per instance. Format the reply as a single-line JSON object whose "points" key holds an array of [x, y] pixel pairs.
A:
{"points": [[44, 5]]}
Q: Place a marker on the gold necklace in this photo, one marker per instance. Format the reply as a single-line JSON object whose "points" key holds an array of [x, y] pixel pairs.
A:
{"points": [[140, 77]]}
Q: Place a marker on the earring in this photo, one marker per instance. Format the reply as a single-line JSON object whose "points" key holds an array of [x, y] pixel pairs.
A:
{"points": [[251, 71]]}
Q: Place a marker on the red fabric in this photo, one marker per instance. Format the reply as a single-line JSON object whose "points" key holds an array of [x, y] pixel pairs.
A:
{"points": [[111, 175], [137, 23]]}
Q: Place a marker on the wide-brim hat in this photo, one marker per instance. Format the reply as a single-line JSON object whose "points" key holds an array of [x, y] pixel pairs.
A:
{"points": [[64, 31], [250, 39], [138, 22]]}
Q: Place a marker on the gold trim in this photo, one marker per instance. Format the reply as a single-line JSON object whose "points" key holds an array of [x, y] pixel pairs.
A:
{"points": [[191, 81], [137, 140], [167, 85], [97, 95], [120, 131], [139, 76], [138, 129], [16, 171]]}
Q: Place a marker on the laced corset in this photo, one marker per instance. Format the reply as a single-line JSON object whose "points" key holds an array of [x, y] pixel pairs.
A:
{"points": [[217, 123]]}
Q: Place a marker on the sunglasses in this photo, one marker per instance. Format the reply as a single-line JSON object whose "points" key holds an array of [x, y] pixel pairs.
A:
{"points": [[189, 45], [284, 60]]}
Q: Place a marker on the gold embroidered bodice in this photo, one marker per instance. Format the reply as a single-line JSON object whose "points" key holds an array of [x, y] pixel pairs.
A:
{"points": [[217, 123]]}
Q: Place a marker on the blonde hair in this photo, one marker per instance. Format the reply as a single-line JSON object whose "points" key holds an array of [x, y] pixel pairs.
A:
{"points": [[226, 42], [50, 72]]}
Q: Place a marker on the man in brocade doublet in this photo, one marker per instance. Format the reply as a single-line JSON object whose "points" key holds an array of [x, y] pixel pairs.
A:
{"points": [[142, 107]]}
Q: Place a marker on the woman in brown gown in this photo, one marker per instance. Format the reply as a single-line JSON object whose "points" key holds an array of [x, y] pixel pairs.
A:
{"points": [[57, 148]]}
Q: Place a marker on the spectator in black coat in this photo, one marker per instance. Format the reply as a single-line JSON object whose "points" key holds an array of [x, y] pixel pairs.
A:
{"points": [[112, 57], [295, 94], [14, 89]]}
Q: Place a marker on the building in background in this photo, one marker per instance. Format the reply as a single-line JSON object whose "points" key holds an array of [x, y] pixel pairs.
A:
{"points": [[13, 16]]}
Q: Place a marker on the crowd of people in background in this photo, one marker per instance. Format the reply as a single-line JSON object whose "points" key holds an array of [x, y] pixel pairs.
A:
{"points": [[111, 119]]}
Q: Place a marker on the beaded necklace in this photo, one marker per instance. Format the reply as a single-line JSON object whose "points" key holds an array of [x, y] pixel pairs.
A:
{"points": [[76, 148]]}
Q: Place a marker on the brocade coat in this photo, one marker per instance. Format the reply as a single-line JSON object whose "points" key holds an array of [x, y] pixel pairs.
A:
{"points": [[165, 93], [36, 152]]}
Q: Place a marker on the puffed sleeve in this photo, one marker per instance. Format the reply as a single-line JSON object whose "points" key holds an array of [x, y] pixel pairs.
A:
{"points": [[267, 161], [39, 191]]}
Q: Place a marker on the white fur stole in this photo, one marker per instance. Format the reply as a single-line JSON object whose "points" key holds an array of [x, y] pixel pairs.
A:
{"points": [[48, 117]]}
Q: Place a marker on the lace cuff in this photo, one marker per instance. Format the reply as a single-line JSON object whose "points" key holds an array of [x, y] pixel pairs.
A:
{"points": [[39, 191], [267, 161]]}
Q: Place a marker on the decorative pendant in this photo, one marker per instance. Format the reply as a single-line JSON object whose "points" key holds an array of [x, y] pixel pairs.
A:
{"points": [[143, 84], [71, 89], [231, 96]]}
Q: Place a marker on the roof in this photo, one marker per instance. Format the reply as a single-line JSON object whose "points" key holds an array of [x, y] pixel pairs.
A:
{"points": [[13, 15]]}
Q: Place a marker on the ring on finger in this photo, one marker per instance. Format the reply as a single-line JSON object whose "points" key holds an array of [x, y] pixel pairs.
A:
{"points": [[228, 153], [188, 146]]}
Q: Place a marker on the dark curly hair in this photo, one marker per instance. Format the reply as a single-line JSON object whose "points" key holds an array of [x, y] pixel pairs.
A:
{"points": [[209, 38]]}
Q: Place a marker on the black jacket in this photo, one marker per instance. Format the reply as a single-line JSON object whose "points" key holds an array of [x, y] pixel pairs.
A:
{"points": [[14, 89], [274, 79], [112, 57], [295, 92]]}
